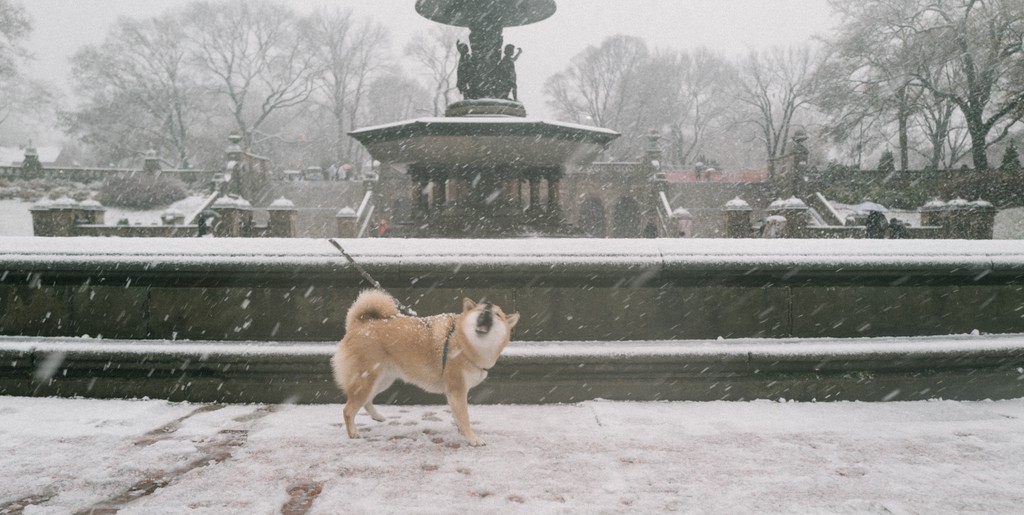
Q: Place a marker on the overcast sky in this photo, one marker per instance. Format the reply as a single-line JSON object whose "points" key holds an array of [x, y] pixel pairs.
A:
{"points": [[731, 26]]}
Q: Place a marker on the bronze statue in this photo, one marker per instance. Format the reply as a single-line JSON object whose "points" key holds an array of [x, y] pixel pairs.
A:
{"points": [[481, 75], [505, 76], [464, 72], [485, 71]]}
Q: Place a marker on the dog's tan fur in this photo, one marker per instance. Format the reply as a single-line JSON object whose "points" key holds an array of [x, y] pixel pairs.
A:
{"points": [[382, 345]]}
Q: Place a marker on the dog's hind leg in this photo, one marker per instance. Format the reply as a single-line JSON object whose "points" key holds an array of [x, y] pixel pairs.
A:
{"points": [[372, 410], [359, 392], [383, 383]]}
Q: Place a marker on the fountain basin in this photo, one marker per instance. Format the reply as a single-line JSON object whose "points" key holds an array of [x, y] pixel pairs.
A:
{"points": [[476, 13], [483, 142]]}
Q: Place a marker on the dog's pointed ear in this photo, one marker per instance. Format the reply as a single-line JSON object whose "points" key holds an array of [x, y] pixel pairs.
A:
{"points": [[512, 320], [467, 304]]}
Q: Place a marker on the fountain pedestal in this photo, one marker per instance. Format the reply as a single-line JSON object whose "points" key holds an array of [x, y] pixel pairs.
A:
{"points": [[478, 172]]}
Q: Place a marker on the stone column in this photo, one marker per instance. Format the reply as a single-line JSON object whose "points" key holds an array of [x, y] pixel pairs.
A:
{"points": [[31, 168], [554, 199], [283, 221], [235, 217], [420, 202], [440, 193], [933, 213], [683, 221], [737, 218], [151, 164], [795, 212], [957, 218], [534, 194], [64, 212], [347, 223], [981, 220], [42, 217]]}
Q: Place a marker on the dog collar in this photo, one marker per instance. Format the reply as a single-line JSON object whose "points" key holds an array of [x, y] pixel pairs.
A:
{"points": [[447, 341]]}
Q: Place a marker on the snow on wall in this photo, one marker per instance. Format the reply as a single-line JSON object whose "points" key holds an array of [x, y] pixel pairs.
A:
{"points": [[536, 254], [744, 348]]}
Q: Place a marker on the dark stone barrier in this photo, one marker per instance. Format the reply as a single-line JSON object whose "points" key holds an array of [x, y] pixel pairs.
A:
{"points": [[953, 367], [299, 290]]}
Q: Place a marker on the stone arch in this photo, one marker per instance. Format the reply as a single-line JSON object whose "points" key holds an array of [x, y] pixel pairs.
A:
{"points": [[592, 219], [627, 218]]}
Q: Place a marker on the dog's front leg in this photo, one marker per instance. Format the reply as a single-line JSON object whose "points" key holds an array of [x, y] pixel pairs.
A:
{"points": [[458, 400]]}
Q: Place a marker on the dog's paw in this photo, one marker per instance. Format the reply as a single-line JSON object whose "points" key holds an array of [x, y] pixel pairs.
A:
{"points": [[475, 442]]}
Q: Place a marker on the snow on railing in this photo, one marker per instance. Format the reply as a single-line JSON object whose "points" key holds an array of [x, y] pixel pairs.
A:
{"points": [[366, 222], [828, 206], [365, 213], [664, 213], [194, 217]]}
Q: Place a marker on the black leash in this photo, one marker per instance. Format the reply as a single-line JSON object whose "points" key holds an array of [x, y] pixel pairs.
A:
{"points": [[369, 278]]}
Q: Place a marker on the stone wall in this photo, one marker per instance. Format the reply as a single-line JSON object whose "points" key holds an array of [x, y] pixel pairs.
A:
{"points": [[226, 216], [283, 290]]}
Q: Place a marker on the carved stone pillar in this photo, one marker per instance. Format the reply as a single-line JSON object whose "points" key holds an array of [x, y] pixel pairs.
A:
{"points": [[534, 193], [440, 193], [554, 197], [419, 198]]}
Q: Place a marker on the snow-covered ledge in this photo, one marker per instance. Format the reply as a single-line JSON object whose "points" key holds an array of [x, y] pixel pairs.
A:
{"points": [[567, 289], [409, 256]]}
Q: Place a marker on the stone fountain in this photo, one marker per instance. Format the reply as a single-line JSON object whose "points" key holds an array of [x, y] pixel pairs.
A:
{"points": [[485, 169]]}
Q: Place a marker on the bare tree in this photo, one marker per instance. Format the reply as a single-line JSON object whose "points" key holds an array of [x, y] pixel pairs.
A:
{"points": [[434, 52], [776, 84], [980, 42], [698, 98], [395, 97], [349, 54], [940, 123], [138, 89], [18, 94], [865, 83], [926, 53], [602, 86], [255, 58]]}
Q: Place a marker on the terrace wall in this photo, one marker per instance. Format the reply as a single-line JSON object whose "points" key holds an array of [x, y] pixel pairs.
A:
{"points": [[300, 289]]}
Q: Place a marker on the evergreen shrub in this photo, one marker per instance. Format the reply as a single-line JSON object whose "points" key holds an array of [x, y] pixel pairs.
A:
{"points": [[141, 191]]}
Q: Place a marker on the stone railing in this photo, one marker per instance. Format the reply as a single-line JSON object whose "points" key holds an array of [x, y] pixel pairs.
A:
{"points": [[956, 219], [226, 216]]}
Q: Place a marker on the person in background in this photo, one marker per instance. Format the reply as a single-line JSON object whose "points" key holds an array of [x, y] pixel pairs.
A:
{"points": [[897, 230], [876, 225]]}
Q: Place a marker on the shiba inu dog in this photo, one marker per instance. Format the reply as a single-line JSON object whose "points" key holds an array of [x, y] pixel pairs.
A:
{"points": [[448, 353]]}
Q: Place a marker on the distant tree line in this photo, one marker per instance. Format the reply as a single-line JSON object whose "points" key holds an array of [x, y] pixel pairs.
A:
{"points": [[923, 83], [939, 81]]}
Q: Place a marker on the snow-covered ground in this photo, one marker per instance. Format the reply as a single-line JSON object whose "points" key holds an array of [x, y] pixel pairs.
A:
{"points": [[186, 206], [148, 456], [16, 219]]}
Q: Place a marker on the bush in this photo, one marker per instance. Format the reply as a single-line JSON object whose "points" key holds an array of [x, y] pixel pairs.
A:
{"points": [[1000, 187], [141, 191], [1011, 159]]}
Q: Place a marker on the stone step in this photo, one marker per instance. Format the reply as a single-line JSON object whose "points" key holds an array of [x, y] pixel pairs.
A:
{"points": [[961, 367]]}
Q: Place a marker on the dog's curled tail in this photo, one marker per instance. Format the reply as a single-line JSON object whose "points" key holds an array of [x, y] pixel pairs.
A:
{"points": [[371, 305]]}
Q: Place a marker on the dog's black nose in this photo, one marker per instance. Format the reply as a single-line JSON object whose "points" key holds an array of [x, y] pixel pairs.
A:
{"points": [[485, 320]]}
